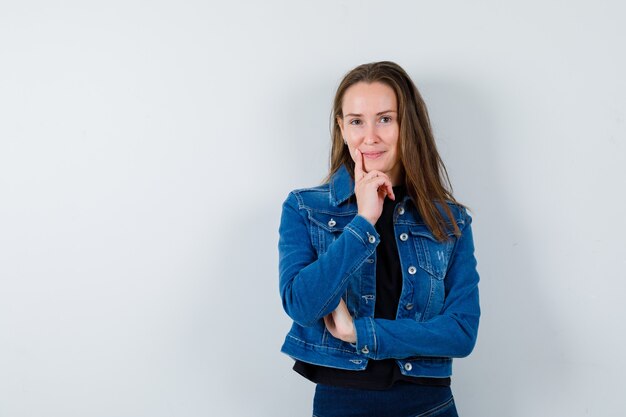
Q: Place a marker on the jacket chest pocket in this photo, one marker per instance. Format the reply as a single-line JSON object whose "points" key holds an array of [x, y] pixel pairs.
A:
{"points": [[433, 256], [327, 227]]}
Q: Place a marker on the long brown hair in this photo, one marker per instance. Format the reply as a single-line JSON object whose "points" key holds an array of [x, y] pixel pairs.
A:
{"points": [[425, 176]]}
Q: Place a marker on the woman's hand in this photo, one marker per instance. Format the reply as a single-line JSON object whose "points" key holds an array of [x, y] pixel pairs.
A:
{"points": [[370, 189], [340, 323]]}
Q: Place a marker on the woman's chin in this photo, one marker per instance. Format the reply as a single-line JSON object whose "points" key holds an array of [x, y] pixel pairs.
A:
{"points": [[375, 166]]}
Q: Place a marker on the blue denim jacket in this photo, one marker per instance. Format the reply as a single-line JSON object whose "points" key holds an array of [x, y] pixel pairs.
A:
{"points": [[327, 251]]}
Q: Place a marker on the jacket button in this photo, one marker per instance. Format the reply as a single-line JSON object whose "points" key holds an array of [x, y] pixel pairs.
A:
{"points": [[404, 237], [409, 306], [401, 211], [365, 350], [371, 238], [332, 223], [408, 366], [412, 270]]}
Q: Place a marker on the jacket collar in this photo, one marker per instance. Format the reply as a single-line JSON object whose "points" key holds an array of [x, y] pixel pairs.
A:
{"points": [[341, 186]]}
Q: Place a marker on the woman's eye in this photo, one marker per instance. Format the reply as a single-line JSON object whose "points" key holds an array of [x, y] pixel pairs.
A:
{"points": [[355, 122], [385, 119]]}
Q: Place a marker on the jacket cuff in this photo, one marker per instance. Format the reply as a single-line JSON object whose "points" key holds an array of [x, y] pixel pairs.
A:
{"points": [[365, 337], [364, 230]]}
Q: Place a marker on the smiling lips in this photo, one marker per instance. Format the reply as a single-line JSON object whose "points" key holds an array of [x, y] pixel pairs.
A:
{"points": [[372, 155]]}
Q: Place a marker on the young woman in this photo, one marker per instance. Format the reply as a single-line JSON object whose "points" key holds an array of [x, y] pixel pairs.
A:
{"points": [[377, 266]]}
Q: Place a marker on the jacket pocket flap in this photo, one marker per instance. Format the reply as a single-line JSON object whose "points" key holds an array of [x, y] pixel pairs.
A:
{"points": [[423, 231], [331, 222]]}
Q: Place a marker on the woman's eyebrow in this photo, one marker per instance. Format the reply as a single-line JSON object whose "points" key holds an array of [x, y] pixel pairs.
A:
{"points": [[377, 114]]}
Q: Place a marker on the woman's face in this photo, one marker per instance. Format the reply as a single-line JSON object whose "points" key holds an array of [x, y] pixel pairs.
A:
{"points": [[370, 124]]}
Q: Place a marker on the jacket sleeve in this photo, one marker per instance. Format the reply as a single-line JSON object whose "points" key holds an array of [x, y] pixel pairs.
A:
{"points": [[452, 333], [311, 286]]}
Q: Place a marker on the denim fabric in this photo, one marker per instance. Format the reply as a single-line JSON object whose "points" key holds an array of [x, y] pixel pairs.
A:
{"points": [[401, 400], [327, 251]]}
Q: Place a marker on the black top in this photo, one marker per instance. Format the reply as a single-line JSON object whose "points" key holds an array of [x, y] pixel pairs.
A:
{"points": [[379, 374]]}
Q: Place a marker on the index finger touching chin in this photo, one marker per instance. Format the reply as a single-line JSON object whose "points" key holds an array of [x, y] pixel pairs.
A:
{"points": [[358, 165]]}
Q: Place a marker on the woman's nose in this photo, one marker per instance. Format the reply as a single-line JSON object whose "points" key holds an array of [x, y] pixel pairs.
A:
{"points": [[370, 136]]}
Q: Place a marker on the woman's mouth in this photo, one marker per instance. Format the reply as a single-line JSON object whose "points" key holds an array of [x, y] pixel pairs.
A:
{"points": [[372, 155]]}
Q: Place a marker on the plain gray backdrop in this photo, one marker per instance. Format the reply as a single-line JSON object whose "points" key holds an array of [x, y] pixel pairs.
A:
{"points": [[146, 149]]}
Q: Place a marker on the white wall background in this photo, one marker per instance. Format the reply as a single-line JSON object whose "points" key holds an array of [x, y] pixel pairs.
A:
{"points": [[146, 148]]}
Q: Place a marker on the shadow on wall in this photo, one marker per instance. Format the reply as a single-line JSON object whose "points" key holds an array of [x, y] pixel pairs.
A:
{"points": [[253, 376], [518, 336]]}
